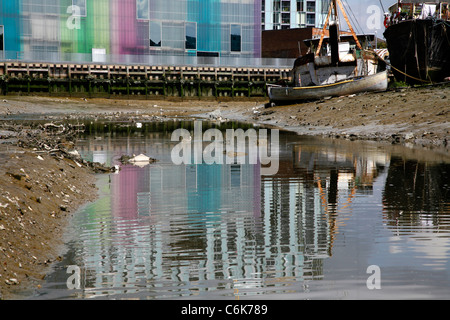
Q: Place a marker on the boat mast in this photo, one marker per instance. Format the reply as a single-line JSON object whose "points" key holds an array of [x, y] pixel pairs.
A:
{"points": [[349, 24], [333, 10], [334, 35], [322, 35]]}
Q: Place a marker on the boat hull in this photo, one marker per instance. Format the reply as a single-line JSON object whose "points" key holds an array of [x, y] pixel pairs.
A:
{"points": [[373, 83], [419, 50]]}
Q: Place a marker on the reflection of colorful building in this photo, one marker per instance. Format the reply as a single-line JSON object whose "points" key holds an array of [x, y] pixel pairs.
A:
{"points": [[205, 222], [221, 230], [129, 30]]}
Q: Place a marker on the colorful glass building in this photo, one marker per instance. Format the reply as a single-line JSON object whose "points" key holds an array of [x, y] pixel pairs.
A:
{"points": [[129, 31]]}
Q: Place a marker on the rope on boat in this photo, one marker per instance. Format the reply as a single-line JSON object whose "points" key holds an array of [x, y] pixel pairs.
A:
{"points": [[425, 81], [387, 63]]}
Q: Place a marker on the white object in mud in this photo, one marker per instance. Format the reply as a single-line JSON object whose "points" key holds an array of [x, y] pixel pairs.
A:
{"points": [[140, 160]]}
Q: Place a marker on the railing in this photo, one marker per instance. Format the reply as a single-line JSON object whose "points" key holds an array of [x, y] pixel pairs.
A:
{"points": [[411, 12]]}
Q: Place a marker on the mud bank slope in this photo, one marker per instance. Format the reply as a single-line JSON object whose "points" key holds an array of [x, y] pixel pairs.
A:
{"points": [[42, 182], [38, 193]]}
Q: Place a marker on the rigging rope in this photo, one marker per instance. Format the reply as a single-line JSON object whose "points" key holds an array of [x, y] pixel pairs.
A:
{"points": [[355, 22], [382, 7], [405, 74]]}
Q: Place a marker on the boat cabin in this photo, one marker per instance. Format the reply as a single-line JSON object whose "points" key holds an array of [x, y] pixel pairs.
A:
{"points": [[323, 68], [347, 47]]}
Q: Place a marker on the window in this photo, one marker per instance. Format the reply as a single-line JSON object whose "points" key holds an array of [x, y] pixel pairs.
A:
{"points": [[174, 36], [311, 7], [276, 18], [44, 29], [207, 54], [80, 4], [311, 19], [276, 6], [98, 55], [1, 39], [155, 34], [41, 6], [142, 12], [302, 18], [235, 37], [191, 35], [325, 9], [300, 5], [235, 175]]}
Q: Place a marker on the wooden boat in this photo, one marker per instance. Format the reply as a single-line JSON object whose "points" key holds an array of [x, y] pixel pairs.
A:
{"points": [[339, 66], [373, 83]]}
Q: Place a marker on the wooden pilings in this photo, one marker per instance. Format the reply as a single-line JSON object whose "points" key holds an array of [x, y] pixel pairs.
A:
{"points": [[137, 81]]}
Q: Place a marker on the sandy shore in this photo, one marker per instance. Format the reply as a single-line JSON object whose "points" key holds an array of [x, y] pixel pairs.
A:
{"points": [[39, 191]]}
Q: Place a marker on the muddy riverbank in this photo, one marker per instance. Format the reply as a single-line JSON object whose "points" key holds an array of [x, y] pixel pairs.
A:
{"points": [[43, 181], [42, 184], [418, 117], [413, 115], [38, 193]]}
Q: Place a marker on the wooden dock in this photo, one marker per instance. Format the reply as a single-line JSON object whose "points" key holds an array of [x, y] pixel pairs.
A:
{"points": [[137, 81]]}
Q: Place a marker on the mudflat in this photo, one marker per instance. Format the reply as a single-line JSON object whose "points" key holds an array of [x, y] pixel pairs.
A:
{"points": [[419, 115]]}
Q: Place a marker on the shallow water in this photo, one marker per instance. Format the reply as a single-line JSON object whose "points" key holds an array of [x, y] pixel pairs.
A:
{"points": [[226, 232]]}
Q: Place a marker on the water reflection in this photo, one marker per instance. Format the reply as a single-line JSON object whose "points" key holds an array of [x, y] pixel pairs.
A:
{"points": [[226, 231], [415, 190]]}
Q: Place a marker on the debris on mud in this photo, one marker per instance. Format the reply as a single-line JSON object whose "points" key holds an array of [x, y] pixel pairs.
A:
{"points": [[136, 160], [56, 140]]}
